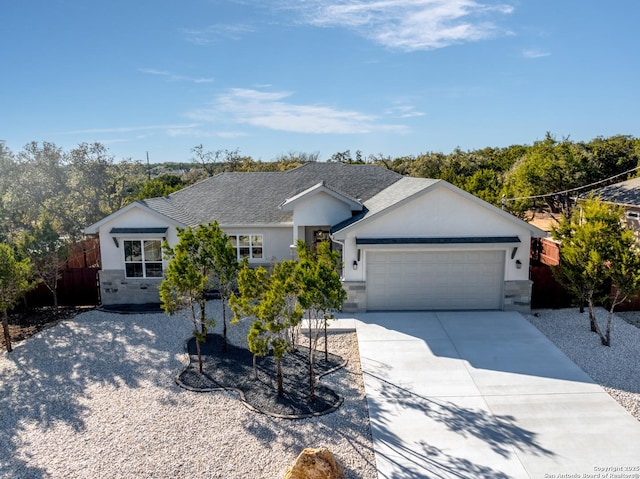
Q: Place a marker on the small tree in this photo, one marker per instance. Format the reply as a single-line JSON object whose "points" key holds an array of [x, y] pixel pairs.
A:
{"points": [[224, 270], [581, 269], [624, 271], [595, 247], [265, 298], [252, 285], [185, 284], [48, 253], [321, 294], [206, 249], [14, 283]]}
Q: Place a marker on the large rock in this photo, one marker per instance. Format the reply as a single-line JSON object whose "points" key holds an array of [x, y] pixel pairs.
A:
{"points": [[315, 463]]}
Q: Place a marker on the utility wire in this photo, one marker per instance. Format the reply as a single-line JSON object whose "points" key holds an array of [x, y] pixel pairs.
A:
{"points": [[558, 193]]}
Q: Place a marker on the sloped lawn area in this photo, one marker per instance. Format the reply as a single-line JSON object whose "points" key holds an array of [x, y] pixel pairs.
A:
{"points": [[234, 370]]}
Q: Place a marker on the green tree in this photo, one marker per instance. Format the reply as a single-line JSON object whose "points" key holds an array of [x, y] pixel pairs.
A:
{"points": [[252, 286], [48, 253], [223, 272], [484, 184], [613, 155], [549, 166], [14, 283], [270, 300], [98, 185], [185, 283], [39, 186], [163, 185], [624, 271], [7, 175], [596, 246], [320, 295]]}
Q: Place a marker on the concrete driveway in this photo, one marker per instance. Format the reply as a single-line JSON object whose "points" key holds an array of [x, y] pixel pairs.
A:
{"points": [[486, 395]]}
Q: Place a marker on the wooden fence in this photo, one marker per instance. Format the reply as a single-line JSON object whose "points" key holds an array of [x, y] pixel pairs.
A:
{"points": [[76, 287], [547, 292]]}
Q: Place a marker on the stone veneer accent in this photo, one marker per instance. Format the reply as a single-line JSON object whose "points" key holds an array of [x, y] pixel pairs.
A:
{"points": [[356, 296], [116, 289], [517, 296]]}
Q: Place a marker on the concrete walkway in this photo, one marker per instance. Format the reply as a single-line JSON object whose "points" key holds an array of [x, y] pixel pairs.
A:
{"points": [[485, 395]]}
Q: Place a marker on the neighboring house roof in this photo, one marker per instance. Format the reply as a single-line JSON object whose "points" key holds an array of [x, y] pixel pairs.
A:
{"points": [[625, 193], [254, 198]]}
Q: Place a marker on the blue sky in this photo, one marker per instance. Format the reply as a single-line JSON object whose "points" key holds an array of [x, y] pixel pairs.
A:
{"points": [[390, 77]]}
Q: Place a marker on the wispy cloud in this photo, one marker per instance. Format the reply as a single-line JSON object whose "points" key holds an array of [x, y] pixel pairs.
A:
{"points": [[535, 53], [198, 132], [275, 111], [404, 111], [173, 77], [128, 129], [409, 24], [213, 33]]}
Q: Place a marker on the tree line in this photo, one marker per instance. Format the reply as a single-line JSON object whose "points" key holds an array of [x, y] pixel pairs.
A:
{"points": [[76, 188]]}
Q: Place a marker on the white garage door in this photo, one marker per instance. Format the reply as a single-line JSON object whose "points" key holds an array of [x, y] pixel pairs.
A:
{"points": [[434, 280]]}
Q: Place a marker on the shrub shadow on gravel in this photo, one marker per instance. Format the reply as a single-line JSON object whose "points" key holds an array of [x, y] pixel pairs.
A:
{"points": [[44, 382], [233, 370]]}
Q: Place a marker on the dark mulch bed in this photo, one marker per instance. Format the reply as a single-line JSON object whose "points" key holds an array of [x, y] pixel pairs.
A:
{"points": [[26, 322], [234, 370], [132, 308]]}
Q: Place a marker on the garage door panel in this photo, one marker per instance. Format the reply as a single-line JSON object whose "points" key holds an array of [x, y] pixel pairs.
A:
{"points": [[435, 280]]}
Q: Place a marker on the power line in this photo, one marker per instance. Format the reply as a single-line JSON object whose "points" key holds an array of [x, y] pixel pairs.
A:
{"points": [[558, 193]]}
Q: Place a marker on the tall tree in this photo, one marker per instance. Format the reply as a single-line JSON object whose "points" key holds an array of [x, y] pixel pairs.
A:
{"points": [[48, 252], [15, 282], [40, 185], [216, 161], [98, 185], [550, 166], [7, 175], [163, 185]]}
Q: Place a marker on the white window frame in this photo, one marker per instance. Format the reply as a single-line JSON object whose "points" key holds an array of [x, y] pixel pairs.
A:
{"points": [[251, 245], [144, 261]]}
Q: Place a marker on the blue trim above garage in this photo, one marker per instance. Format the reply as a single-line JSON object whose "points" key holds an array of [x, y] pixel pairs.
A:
{"points": [[439, 240]]}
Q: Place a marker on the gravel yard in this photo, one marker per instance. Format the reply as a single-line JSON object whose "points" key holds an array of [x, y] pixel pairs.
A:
{"points": [[616, 368], [95, 396]]}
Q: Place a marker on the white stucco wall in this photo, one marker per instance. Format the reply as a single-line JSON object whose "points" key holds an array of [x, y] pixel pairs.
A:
{"points": [[113, 256], [320, 209], [276, 240], [439, 213]]}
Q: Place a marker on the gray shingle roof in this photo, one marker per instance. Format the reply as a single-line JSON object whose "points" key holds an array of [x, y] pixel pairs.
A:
{"points": [[624, 193], [254, 198]]}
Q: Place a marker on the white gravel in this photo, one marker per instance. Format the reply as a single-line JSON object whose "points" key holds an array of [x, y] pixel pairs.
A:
{"points": [[616, 368], [95, 397]]}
